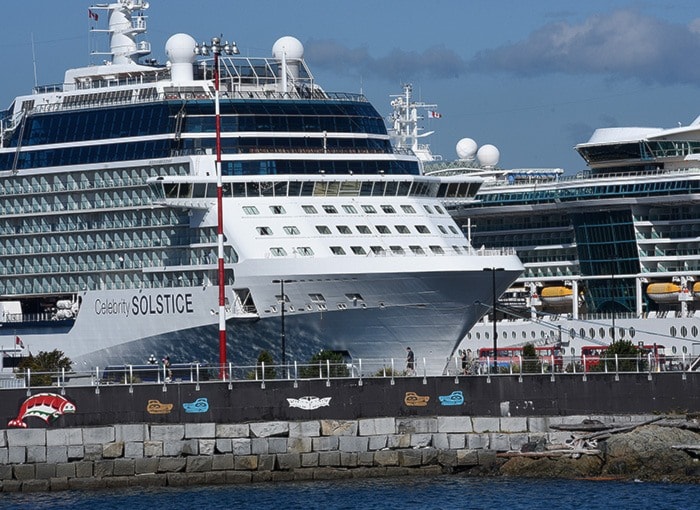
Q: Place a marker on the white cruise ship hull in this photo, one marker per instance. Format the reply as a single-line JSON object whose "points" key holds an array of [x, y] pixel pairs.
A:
{"points": [[429, 311]]}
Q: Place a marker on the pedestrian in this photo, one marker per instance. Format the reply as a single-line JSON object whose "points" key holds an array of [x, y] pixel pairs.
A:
{"points": [[465, 362], [168, 370], [410, 362]]}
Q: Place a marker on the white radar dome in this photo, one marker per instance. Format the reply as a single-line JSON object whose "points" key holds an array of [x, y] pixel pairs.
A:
{"points": [[466, 149], [290, 46], [488, 155], [180, 49]]}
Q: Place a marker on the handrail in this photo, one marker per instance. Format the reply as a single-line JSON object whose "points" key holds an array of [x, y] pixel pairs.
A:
{"points": [[365, 368]]}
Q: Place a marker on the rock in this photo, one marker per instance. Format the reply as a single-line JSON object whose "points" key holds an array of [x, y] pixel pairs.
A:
{"points": [[647, 453], [553, 467]]}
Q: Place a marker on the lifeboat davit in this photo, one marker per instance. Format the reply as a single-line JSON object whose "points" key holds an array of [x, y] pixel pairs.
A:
{"points": [[696, 290], [664, 292], [557, 296]]}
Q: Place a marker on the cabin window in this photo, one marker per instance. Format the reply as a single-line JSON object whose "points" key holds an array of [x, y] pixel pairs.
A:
{"points": [[277, 209], [250, 210], [322, 229], [264, 231], [337, 250], [383, 229], [344, 229], [291, 230], [422, 229], [309, 209], [417, 250], [358, 250], [350, 209], [408, 209], [363, 229]]}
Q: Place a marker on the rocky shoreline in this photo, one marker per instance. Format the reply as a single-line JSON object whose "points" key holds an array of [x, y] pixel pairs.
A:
{"points": [[666, 450], [643, 447]]}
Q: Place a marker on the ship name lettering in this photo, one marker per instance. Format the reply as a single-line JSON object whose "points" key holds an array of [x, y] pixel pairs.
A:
{"points": [[112, 307], [160, 304]]}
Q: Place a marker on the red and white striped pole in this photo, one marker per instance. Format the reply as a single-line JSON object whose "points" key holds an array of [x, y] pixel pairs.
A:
{"points": [[216, 48]]}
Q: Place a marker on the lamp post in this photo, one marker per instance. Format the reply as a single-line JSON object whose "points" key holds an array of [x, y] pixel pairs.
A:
{"points": [[493, 310], [283, 336], [215, 48]]}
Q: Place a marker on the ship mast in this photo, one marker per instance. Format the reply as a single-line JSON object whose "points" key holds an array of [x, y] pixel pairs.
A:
{"points": [[405, 130]]}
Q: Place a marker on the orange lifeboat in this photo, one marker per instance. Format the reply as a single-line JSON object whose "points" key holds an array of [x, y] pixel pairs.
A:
{"points": [[664, 292], [557, 296]]}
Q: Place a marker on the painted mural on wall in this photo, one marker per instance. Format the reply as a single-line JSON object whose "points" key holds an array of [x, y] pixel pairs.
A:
{"points": [[201, 405], [456, 398], [413, 399], [46, 406], [309, 403], [157, 407]]}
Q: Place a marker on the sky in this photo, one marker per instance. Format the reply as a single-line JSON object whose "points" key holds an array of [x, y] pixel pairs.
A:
{"points": [[533, 78]]}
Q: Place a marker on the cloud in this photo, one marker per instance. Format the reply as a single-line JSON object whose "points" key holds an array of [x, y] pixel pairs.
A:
{"points": [[436, 61], [621, 44]]}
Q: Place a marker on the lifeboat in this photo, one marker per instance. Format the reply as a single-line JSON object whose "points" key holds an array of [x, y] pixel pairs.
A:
{"points": [[557, 296], [664, 292]]}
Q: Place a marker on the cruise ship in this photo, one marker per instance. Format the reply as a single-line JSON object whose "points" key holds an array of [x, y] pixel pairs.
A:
{"points": [[145, 205], [610, 253]]}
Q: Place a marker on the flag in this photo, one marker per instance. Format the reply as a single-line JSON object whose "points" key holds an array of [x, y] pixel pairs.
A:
{"points": [[18, 341], [434, 115], [92, 15]]}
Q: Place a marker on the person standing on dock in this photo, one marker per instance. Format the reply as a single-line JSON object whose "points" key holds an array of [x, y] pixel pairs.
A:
{"points": [[410, 362]]}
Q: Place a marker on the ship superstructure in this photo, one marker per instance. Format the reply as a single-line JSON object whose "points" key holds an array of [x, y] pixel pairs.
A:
{"points": [[108, 237], [610, 253]]}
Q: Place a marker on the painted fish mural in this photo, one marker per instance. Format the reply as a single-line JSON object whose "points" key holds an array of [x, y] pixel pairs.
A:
{"points": [[47, 406]]}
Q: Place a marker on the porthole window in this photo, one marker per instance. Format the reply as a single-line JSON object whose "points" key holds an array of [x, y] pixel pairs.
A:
{"points": [[523, 334], [632, 332], [685, 349], [684, 331], [582, 333], [486, 335], [572, 333], [478, 336], [673, 349], [532, 334], [694, 331], [592, 332], [601, 332], [673, 331]]}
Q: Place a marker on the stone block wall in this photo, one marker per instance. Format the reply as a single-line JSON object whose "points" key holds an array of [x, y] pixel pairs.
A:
{"points": [[210, 453]]}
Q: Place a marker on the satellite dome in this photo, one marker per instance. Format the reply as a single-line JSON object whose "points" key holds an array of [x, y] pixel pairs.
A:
{"points": [[488, 155], [466, 149], [180, 49], [290, 46]]}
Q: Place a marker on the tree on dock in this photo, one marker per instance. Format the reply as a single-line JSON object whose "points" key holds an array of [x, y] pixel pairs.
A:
{"points": [[43, 367]]}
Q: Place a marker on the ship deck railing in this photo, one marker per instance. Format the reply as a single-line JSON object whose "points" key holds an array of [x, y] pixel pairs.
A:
{"points": [[650, 364], [94, 101]]}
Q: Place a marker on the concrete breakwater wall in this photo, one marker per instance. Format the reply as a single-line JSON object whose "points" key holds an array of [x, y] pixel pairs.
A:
{"points": [[209, 453]]}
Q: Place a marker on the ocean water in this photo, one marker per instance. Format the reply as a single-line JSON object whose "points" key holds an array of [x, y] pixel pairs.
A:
{"points": [[442, 492]]}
